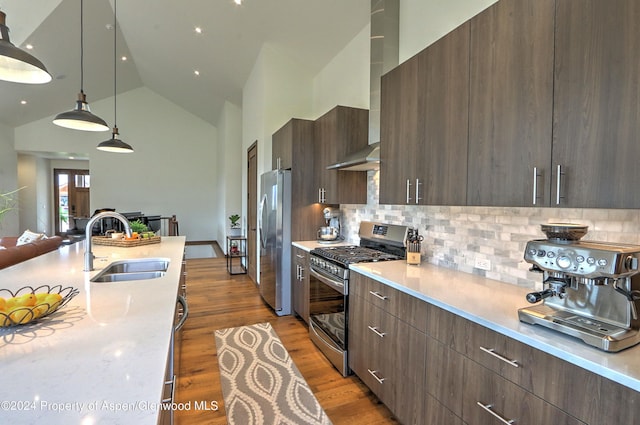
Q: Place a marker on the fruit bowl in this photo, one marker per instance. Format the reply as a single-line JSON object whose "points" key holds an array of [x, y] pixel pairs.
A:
{"points": [[29, 304]]}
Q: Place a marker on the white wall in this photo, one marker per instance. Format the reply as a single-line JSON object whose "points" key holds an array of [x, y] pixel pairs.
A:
{"points": [[35, 198], [277, 90], [424, 21], [345, 79], [228, 180], [9, 223], [172, 170]]}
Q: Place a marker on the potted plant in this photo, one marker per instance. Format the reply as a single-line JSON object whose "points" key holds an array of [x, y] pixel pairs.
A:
{"points": [[234, 228]]}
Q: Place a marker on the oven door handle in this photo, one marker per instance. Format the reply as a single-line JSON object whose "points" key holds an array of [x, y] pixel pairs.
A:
{"points": [[335, 284]]}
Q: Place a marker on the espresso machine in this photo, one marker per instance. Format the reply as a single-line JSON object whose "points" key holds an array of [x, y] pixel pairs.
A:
{"points": [[591, 290], [331, 232]]}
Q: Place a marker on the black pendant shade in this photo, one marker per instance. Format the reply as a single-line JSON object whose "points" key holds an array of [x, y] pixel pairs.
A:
{"points": [[115, 144], [16, 65], [81, 118]]}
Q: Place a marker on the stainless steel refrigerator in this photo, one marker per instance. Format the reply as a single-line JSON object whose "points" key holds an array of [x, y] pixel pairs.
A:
{"points": [[274, 223]]}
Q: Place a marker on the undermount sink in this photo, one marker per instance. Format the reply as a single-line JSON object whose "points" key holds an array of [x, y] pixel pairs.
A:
{"points": [[135, 269]]}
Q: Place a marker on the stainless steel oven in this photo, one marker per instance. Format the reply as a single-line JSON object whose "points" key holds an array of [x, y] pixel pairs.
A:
{"points": [[328, 311], [329, 285]]}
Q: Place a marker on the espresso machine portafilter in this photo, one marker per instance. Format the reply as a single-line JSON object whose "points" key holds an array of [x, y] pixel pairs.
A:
{"points": [[591, 290]]}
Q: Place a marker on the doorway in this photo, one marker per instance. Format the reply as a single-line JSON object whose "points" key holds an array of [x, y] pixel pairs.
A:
{"points": [[252, 211], [71, 190]]}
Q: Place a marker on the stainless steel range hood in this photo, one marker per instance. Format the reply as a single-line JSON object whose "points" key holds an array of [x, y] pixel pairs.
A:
{"points": [[362, 160], [385, 23]]}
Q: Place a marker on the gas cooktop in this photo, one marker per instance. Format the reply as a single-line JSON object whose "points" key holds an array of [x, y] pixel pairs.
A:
{"points": [[351, 254]]}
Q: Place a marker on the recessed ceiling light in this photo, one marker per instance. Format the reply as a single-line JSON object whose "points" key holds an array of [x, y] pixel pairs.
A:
{"points": [[198, 30], [238, 1], [29, 46], [196, 72], [23, 102], [124, 59]]}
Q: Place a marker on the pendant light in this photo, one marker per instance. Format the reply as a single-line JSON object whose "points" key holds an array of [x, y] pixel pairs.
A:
{"points": [[81, 118], [115, 144], [16, 65]]}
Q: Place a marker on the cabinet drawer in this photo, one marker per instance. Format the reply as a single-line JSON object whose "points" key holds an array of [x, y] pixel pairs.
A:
{"points": [[369, 353], [389, 356], [511, 359], [406, 307], [546, 376], [489, 399]]}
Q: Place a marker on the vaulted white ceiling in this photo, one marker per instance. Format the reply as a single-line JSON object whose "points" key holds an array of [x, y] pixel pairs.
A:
{"points": [[163, 50]]}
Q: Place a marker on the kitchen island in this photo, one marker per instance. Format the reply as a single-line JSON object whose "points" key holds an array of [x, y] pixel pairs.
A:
{"points": [[101, 358]]}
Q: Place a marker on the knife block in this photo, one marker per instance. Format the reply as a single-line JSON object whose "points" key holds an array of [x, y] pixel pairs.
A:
{"points": [[413, 258]]}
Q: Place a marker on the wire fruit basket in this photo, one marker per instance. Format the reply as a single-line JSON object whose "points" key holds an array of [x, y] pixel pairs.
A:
{"points": [[28, 304]]}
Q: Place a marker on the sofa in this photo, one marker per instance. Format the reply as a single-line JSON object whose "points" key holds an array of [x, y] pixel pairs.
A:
{"points": [[14, 254]]}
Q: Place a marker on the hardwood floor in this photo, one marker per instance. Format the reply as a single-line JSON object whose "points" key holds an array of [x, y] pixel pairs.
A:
{"points": [[218, 300]]}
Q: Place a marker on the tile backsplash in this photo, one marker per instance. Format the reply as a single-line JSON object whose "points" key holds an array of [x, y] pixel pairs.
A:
{"points": [[455, 236]]}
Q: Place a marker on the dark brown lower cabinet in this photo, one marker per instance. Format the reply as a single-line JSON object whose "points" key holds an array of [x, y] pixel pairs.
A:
{"points": [[489, 399], [460, 372], [388, 355], [300, 282]]}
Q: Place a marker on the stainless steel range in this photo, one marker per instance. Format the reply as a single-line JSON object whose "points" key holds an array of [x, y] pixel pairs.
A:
{"points": [[329, 285], [591, 289]]}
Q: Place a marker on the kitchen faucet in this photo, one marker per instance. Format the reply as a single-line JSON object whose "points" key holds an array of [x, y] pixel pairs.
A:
{"points": [[88, 255]]}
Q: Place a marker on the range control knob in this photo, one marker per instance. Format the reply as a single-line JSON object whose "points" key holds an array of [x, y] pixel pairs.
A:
{"points": [[564, 261]]}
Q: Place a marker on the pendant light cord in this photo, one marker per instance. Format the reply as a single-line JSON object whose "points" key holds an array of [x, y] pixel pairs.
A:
{"points": [[115, 33], [81, 47]]}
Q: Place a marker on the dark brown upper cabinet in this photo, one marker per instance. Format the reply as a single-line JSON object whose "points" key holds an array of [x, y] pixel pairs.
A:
{"points": [[596, 123], [424, 125], [293, 144], [510, 104], [339, 132]]}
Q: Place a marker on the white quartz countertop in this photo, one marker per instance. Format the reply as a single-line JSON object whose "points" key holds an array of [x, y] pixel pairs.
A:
{"points": [[101, 358], [309, 245], [495, 305]]}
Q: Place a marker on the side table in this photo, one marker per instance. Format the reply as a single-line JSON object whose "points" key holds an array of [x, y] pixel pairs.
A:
{"points": [[236, 248]]}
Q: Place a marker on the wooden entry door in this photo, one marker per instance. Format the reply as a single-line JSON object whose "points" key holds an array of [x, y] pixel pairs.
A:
{"points": [[252, 211], [71, 194]]}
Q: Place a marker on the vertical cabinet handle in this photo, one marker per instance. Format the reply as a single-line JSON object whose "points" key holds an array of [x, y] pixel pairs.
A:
{"points": [[408, 191], [535, 185], [489, 409], [321, 195], [418, 198], [374, 374], [559, 185], [301, 273], [492, 352]]}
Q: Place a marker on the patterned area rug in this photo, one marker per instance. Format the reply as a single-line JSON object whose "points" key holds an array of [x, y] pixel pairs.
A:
{"points": [[260, 382]]}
